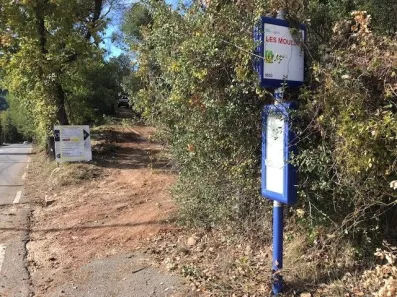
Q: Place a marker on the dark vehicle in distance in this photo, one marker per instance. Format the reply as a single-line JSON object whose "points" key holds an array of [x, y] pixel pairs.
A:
{"points": [[123, 101]]}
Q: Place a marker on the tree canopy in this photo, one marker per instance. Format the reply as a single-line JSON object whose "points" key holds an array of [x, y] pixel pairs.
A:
{"points": [[50, 59]]}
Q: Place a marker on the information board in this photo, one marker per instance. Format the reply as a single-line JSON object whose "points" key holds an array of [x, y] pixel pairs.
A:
{"points": [[278, 175], [72, 143], [280, 55]]}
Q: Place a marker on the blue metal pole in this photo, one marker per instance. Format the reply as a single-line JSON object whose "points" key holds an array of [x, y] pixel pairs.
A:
{"points": [[277, 265]]}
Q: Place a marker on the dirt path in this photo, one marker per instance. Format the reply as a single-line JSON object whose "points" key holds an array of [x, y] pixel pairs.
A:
{"points": [[106, 228], [90, 220]]}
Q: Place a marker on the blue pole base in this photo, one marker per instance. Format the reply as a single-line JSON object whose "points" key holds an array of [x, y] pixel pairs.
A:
{"points": [[277, 265], [277, 283]]}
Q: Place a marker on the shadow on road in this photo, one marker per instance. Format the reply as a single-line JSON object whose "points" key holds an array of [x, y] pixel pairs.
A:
{"points": [[77, 228]]}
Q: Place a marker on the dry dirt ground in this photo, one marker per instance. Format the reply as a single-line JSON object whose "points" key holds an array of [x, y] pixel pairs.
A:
{"points": [[107, 228], [89, 221]]}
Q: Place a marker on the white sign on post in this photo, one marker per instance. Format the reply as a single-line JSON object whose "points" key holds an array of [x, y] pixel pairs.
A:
{"points": [[72, 143], [280, 51], [283, 54]]}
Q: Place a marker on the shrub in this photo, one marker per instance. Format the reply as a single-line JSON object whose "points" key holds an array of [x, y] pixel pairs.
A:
{"points": [[200, 89], [348, 134]]}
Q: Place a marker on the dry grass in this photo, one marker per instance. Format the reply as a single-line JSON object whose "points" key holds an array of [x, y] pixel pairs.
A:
{"points": [[72, 174], [217, 263]]}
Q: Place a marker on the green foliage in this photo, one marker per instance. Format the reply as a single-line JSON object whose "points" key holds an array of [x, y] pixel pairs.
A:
{"points": [[48, 55], [20, 118], [92, 91], [8, 131], [15, 121], [348, 136], [383, 13], [199, 87], [134, 20], [132, 84], [321, 15]]}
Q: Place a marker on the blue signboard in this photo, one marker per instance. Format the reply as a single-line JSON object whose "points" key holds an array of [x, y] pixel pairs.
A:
{"points": [[278, 175], [279, 55]]}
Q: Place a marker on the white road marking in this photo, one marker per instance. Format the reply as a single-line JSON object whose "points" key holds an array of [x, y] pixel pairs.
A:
{"points": [[17, 197], [29, 160], [24, 176], [2, 254]]}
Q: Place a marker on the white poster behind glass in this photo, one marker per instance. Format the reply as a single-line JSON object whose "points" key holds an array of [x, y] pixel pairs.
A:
{"points": [[275, 153]]}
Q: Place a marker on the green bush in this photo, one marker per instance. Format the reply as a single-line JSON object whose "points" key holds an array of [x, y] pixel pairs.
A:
{"points": [[348, 135], [8, 130], [199, 89]]}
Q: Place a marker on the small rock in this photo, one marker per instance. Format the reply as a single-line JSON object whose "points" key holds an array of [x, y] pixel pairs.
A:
{"points": [[200, 247], [191, 241], [305, 295], [170, 266], [181, 251], [48, 201]]}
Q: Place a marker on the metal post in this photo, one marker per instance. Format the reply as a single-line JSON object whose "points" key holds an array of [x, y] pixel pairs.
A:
{"points": [[281, 14], [278, 95], [277, 265], [278, 226]]}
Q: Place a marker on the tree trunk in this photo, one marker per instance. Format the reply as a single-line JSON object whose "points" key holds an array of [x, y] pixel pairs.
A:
{"points": [[96, 15], [62, 116], [40, 23]]}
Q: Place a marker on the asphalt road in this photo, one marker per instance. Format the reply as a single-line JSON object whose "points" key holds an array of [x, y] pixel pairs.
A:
{"points": [[14, 221]]}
